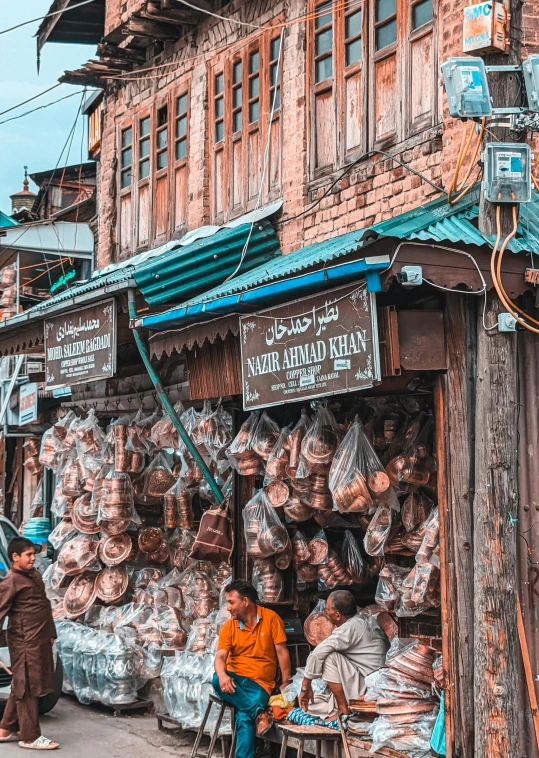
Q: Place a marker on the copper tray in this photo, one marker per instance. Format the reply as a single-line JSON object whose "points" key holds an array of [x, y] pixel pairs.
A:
{"points": [[317, 628], [80, 595], [111, 583], [77, 554], [115, 549]]}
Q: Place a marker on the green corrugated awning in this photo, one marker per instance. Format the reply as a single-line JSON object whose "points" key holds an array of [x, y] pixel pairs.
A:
{"points": [[187, 271]]}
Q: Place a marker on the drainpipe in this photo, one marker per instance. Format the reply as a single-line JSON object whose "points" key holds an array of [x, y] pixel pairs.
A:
{"points": [[165, 402]]}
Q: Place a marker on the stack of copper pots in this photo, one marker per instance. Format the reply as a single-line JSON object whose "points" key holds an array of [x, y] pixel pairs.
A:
{"points": [[354, 496], [122, 457], [406, 470], [72, 485], [116, 497], [319, 450], [320, 499], [333, 572], [49, 451], [268, 581]]}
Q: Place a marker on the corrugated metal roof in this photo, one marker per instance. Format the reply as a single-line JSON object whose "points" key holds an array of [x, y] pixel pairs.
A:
{"points": [[188, 270]]}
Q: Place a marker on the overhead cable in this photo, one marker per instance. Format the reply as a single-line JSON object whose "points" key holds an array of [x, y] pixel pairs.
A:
{"points": [[48, 15]]}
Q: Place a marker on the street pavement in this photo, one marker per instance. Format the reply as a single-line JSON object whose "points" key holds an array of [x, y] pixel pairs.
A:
{"points": [[93, 732]]}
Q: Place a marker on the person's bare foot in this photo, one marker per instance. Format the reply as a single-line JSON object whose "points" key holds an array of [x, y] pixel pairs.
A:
{"points": [[263, 723]]}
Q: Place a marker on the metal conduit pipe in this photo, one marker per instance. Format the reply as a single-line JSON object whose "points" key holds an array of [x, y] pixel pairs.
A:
{"points": [[165, 402]]}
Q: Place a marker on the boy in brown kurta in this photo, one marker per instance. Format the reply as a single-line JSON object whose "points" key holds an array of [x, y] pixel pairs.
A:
{"points": [[31, 635]]}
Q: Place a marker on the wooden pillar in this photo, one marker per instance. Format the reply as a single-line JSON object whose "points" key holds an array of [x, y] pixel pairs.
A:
{"points": [[455, 491], [495, 536]]}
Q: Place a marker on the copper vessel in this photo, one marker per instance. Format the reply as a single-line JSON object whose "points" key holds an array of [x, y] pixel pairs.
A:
{"points": [[224, 574], [71, 483], [307, 573], [89, 484], [321, 502], [268, 581], [294, 443], [115, 549], [32, 446], [150, 539], [298, 511], [354, 496], [84, 516], [185, 510], [80, 595], [319, 484], [199, 631], [148, 576], [134, 552], [378, 482], [300, 551], [250, 465], [277, 493], [202, 606], [77, 554], [111, 583], [158, 481], [333, 572], [170, 511], [415, 510], [273, 540], [137, 463], [317, 628], [122, 461], [319, 451], [49, 452], [115, 512], [318, 551], [116, 526], [276, 467], [117, 489], [284, 558], [161, 555], [263, 447]]}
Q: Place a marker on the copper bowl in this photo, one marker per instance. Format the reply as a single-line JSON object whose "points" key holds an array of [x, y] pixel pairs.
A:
{"points": [[317, 628], [414, 473], [115, 526], [161, 555], [150, 539], [298, 511], [80, 595], [273, 540], [115, 549], [77, 554], [277, 493], [307, 573], [159, 481], [318, 550], [353, 496], [83, 515], [111, 583]]}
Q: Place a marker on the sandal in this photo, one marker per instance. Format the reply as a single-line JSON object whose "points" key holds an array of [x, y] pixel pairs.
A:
{"points": [[42, 743], [13, 737]]}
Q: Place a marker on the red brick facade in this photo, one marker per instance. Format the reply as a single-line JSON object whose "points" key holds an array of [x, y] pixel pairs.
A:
{"points": [[373, 190]]}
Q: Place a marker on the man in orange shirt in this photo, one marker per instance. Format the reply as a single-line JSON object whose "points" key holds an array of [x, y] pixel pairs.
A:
{"points": [[250, 645]]}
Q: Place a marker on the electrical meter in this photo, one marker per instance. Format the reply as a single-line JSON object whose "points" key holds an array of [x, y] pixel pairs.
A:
{"points": [[507, 167], [530, 67], [466, 85]]}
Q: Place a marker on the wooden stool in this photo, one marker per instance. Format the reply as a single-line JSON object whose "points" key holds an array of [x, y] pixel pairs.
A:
{"points": [[318, 734], [224, 705]]}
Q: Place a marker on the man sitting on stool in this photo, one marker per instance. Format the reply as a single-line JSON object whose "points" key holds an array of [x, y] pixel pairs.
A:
{"points": [[356, 647], [250, 644]]}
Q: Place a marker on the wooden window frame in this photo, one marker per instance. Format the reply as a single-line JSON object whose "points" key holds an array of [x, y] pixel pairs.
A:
{"points": [[159, 174], [237, 143], [405, 126], [126, 193], [181, 163], [146, 181]]}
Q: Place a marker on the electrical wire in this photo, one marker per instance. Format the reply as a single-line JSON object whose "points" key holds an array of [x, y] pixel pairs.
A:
{"points": [[48, 15], [35, 97], [216, 15], [40, 107], [348, 168], [455, 186]]}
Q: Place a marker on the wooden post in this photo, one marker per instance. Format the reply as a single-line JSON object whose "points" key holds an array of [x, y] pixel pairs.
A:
{"points": [[455, 496], [495, 537]]}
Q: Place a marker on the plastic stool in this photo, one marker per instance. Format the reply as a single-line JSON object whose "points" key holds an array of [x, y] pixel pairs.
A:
{"points": [[217, 700]]}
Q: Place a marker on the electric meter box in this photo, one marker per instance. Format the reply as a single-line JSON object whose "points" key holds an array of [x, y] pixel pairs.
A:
{"points": [[507, 167], [484, 28], [530, 68], [466, 85]]}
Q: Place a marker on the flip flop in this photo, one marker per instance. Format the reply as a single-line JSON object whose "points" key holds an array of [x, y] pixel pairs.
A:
{"points": [[13, 737], [42, 743]]}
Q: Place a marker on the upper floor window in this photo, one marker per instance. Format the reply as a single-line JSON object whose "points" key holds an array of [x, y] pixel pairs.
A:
{"points": [[180, 131], [373, 76], [161, 142], [126, 157], [245, 93], [144, 148]]}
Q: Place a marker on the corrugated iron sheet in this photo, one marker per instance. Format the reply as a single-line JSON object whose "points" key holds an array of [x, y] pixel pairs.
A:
{"points": [[527, 525], [186, 271]]}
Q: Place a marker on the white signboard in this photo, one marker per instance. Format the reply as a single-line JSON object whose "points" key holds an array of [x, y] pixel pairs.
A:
{"points": [[28, 403]]}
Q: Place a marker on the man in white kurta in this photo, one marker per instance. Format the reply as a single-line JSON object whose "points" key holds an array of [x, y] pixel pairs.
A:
{"points": [[356, 647]]}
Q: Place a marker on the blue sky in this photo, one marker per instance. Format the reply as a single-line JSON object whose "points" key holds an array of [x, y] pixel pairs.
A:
{"points": [[35, 140]]}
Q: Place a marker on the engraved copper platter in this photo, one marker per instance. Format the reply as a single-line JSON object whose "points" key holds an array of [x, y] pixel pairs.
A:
{"points": [[111, 583], [317, 628], [116, 526], [79, 595], [77, 554], [115, 549]]}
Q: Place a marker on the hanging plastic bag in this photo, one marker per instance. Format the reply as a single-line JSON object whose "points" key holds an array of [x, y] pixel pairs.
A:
{"points": [[38, 501], [164, 434], [264, 532], [356, 476], [318, 549], [115, 500], [319, 444], [415, 509], [178, 507], [333, 573], [265, 436], [62, 425], [378, 531], [217, 432], [62, 532], [318, 626], [89, 437], [49, 454], [268, 580], [72, 483], [390, 586], [181, 544], [278, 459], [431, 538], [297, 511], [240, 452], [158, 477], [300, 549], [414, 467], [352, 558], [295, 438]]}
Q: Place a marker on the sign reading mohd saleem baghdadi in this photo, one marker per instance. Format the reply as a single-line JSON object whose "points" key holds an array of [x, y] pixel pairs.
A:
{"points": [[321, 345], [80, 346]]}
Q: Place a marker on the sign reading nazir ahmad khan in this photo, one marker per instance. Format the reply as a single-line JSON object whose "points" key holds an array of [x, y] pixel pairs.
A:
{"points": [[80, 346], [322, 345]]}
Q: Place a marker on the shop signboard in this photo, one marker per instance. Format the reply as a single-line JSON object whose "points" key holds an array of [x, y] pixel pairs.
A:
{"points": [[80, 346], [28, 394], [324, 344]]}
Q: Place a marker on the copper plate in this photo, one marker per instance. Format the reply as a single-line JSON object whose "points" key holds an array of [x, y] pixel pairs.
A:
{"points": [[115, 549], [79, 595], [111, 583], [277, 493], [317, 628], [76, 554]]}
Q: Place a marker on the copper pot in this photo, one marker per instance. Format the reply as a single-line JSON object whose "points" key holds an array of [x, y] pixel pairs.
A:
{"points": [[264, 446], [185, 510], [319, 451], [71, 483], [159, 480], [161, 555], [117, 490], [170, 511], [353, 496], [137, 463], [89, 484], [317, 628], [298, 511], [111, 583], [307, 573], [150, 539], [8, 277], [378, 482], [77, 554], [148, 576], [120, 437], [321, 502], [115, 549], [283, 559], [115, 526], [253, 546], [277, 493], [273, 540]]}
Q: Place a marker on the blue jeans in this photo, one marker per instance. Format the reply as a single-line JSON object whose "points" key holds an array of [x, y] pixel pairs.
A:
{"points": [[249, 698]]}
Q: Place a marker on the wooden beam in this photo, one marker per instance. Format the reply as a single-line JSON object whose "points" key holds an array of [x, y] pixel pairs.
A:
{"points": [[495, 540], [456, 509], [142, 27]]}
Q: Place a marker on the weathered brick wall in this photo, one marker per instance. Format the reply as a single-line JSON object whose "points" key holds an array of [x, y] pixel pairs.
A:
{"points": [[376, 190]]}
